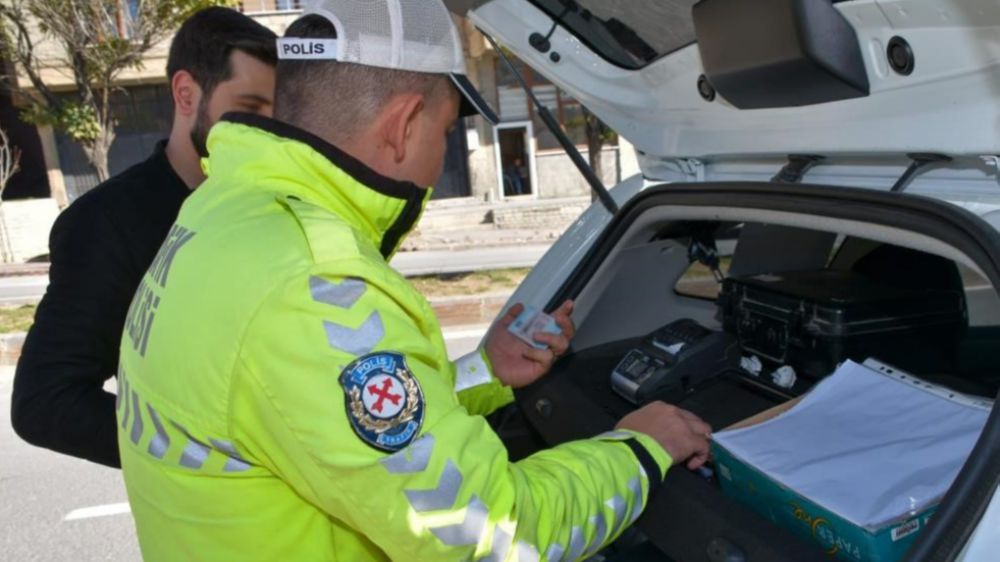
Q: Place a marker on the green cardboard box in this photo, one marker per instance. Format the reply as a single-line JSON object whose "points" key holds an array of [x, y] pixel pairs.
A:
{"points": [[838, 467], [835, 535]]}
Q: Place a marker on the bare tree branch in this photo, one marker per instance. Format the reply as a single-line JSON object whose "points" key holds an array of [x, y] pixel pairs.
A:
{"points": [[98, 40], [22, 50], [10, 160]]}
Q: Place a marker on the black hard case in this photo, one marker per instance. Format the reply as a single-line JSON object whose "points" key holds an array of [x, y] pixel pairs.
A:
{"points": [[813, 320]]}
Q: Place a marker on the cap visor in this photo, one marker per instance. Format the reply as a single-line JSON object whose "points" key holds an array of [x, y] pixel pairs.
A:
{"points": [[472, 102]]}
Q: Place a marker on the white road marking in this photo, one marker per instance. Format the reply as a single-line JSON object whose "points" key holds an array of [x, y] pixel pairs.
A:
{"points": [[97, 511], [473, 332]]}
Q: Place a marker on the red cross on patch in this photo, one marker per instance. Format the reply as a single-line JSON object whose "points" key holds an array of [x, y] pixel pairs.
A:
{"points": [[383, 396]]}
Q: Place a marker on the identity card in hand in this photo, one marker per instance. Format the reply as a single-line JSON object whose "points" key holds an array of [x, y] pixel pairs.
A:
{"points": [[530, 322]]}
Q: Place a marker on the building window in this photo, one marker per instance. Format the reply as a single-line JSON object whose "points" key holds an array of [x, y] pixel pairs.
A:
{"points": [[124, 16], [288, 5], [262, 6], [515, 105], [133, 9]]}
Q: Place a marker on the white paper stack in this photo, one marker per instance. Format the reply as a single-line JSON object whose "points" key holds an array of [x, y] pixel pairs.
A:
{"points": [[868, 443]]}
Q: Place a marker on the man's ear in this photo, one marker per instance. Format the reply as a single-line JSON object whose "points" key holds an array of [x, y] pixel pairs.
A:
{"points": [[186, 93], [401, 115]]}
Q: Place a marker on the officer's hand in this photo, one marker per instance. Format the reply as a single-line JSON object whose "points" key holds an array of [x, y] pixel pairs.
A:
{"points": [[516, 363], [682, 434]]}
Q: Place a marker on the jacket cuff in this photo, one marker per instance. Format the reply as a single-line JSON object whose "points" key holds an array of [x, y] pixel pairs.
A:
{"points": [[477, 388], [473, 370], [654, 460], [657, 452]]}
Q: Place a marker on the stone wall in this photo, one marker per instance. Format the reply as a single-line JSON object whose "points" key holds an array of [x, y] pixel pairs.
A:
{"points": [[483, 173], [539, 215], [27, 223], [558, 177]]}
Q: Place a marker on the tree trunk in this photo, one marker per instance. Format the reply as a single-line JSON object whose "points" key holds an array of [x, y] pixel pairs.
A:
{"points": [[6, 248], [97, 153], [595, 142], [10, 160], [596, 153]]}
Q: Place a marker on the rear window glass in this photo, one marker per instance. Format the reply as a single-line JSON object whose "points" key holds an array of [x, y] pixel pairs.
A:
{"points": [[628, 33]]}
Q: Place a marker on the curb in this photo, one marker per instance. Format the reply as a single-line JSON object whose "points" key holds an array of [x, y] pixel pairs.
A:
{"points": [[465, 331], [468, 310], [10, 347], [23, 269], [458, 312], [485, 297], [476, 245]]}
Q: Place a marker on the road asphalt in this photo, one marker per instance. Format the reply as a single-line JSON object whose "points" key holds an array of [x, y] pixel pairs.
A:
{"points": [[29, 289], [58, 508]]}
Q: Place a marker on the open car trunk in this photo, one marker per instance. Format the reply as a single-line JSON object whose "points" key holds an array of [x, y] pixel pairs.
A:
{"points": [[930, 269]]}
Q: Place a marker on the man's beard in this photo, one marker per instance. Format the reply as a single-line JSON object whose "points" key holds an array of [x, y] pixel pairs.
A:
{"points": [[199, 132]]}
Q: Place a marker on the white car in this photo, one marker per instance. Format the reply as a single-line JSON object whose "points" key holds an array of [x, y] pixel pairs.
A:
{"points": [[843, 156]]}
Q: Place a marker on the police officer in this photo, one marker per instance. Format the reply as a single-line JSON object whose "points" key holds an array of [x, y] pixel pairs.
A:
{"points": [[286, 395]]}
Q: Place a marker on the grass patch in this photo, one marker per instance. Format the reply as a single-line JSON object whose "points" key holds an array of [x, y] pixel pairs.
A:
{"points": [[16, 318], [458, 284], [20, 318]]}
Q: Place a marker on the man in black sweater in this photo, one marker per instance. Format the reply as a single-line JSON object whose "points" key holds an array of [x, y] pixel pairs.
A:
{"points": [[102, 245]]}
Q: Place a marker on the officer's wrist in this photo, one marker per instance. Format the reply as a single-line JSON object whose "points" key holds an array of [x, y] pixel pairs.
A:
{"points": [[472, 370]]}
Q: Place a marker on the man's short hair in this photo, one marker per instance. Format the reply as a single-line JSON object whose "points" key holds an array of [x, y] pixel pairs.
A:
{"points": [[338, 97], [205, 41]]}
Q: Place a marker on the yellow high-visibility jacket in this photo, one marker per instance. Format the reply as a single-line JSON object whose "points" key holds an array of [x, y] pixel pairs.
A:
{"points": [[286, 395]]}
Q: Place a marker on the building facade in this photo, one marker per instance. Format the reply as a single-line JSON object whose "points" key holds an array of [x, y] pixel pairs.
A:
{"points": [[520, 158], [516, 160]]}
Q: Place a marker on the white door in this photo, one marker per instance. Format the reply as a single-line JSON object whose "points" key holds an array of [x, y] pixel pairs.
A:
{"points": [[514, 147]]}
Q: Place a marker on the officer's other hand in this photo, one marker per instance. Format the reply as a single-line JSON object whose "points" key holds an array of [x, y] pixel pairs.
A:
{"points": [[518, 364], [683, 435]]}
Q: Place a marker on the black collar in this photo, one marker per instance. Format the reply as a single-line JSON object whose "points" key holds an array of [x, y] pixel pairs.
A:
{"points": [[361, 173], [160, 160], [350, 165]]}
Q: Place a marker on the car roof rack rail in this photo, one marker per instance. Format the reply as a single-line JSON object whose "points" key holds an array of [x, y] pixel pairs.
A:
{"points": [[796, 168], [921, 162]]}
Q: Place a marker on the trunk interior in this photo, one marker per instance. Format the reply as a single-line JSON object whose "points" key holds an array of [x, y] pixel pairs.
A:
{"points": [[748, 279]]}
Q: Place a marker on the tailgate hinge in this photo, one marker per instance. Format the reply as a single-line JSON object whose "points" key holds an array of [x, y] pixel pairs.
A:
{"points": [[993, 161], [692, 167]]}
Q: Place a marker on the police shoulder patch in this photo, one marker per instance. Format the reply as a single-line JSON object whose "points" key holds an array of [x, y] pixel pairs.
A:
{"points": [[384, 401]]}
